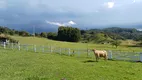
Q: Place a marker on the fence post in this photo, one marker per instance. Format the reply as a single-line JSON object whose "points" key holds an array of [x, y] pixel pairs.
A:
{"points": [[73, 52], [51, 50], [27, 47], [43, 48], [19, 46], [78, 53], [110, 55], [64, 50], [69, 51], [87, 53], [35, 48], [12, 45], [60, 51], [140, 57], [4, 45]]}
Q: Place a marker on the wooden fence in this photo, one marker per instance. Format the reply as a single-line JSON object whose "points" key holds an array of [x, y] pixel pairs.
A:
{"points": [[115, 55]]}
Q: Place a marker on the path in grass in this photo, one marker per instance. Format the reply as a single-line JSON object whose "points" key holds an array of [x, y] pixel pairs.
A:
{"points": [[16, 65]]}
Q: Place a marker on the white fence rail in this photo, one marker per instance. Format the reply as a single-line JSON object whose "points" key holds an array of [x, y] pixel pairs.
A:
{"points": [[128, 56], [115, 55]]}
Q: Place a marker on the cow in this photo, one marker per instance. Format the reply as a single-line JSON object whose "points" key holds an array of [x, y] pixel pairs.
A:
{"points": [[100, 53]]}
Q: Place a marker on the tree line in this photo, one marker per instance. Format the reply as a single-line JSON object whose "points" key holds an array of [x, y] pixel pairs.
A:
{"points": [[6, 30], [64, 33], [67, 33]]}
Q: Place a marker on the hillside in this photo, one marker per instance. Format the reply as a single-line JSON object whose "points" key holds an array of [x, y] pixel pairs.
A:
{"points": [[24, 65], [125, 46], [117, 33], [93, 36]]}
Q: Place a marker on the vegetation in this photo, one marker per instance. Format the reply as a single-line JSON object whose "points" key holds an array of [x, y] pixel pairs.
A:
{"points": [[116, 43], [9, 31], [8, 38], [69, 34], [21, 65], [43, 34], [52, 35], [99, 36], [117, 33], [127, 45]]}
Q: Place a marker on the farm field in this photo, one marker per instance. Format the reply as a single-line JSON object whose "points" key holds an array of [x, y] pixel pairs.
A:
{"points": [[126, 45], [22, 65], [66, 40]]}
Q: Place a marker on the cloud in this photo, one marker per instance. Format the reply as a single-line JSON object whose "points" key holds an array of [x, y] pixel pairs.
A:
{"points": [[109, 4], [139, 29], [134, 1], [71, 23], [61, 24], [54, 23]]}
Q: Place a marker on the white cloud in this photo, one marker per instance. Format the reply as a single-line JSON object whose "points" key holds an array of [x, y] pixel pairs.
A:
{"points": [[134, 1], [61, 24], [109, 4], [71, 23], [54, 23], [139, 29]]}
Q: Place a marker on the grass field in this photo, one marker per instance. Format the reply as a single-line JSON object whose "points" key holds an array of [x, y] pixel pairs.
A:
{"points": [[22, 65], [16, 65], [42, 41]]}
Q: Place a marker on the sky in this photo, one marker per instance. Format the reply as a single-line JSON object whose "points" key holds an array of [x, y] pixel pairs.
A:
{"points": [[78, 13]]}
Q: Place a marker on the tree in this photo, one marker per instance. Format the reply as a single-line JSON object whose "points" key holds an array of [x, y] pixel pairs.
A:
{"points": [[116, 43], [43, 34], [87, 37], [83, 32], [69, 34], [100, 37], [16, 32], [36, 34], [52, 35], [11, 32], [23, 33]]}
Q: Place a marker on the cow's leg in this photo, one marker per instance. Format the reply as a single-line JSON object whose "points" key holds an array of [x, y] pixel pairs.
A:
{"points": [[105, 57], [96, 59]]}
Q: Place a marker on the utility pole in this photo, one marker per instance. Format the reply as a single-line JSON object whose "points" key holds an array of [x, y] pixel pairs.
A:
{"points": [[87, 45], [34, 31]]}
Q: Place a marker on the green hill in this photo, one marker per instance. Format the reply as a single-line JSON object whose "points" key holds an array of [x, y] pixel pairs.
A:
{"points": [[43, 41]]}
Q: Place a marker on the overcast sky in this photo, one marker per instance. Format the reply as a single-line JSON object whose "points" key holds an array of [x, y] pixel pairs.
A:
{"points": [[81, 13]]}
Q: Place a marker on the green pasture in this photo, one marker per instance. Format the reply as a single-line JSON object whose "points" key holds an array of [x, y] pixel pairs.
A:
{"points": [[23, 65], [28, 65], [125, 46]]}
